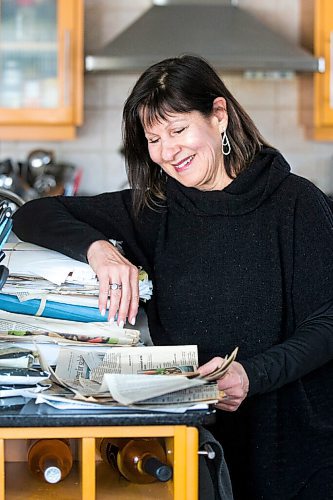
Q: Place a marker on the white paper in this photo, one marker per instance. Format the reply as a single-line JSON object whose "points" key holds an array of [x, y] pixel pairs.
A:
{"points": [[33, 260], [61, 403], [28, 260], [22, 380], [130, 389]]}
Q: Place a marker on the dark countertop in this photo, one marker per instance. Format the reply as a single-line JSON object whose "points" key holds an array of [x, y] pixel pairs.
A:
{"points": [[42, 415]]}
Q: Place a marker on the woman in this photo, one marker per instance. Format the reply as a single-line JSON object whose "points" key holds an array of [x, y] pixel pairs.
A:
{"points": [[240, 252]]}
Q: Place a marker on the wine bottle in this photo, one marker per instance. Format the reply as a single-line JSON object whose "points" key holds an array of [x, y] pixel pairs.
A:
{"points": [[139, 460], [50, 460], [109, 449]]}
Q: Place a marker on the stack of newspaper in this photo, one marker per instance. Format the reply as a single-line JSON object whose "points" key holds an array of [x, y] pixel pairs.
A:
{"points": [[51, 302], [51, 295], [155, 378]]}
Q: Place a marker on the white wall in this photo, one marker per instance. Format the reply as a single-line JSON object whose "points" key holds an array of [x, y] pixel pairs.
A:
{"points": [[277, 107]]}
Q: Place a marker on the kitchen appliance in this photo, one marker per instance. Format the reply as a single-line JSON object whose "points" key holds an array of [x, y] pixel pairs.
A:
{"points": [[229, 37]]}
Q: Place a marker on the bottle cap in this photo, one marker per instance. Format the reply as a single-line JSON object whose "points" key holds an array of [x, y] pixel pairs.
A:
{"points": [[157, 469], [52, 474]]}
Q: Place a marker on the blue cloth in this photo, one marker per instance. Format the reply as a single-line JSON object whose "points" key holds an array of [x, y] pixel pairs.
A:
{"points": [[57, 310]]}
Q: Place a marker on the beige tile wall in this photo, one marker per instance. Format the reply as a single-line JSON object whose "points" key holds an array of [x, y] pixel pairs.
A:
{"points": [[278, 107]]}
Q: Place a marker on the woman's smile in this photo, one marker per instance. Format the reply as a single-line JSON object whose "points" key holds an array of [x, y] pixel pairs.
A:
{"points": [[184, 164]]}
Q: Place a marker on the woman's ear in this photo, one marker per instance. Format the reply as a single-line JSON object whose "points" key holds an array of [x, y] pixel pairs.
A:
{"points": [[220, 111]]}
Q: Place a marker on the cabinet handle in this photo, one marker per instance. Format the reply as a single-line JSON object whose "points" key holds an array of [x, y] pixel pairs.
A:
{"points": [[67, 67], [207, 451], [331, 70]]}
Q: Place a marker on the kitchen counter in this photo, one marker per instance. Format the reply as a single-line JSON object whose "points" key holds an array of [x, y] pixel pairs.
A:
{"points": [[91, 479], [42, 415]]}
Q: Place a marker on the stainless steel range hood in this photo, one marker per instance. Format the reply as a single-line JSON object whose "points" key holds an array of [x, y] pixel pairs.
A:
{"points": [[228, 37]]}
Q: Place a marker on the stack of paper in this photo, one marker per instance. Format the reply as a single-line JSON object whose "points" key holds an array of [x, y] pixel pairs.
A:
{"points": [[52, 298], [122, 377], [46, 283]]}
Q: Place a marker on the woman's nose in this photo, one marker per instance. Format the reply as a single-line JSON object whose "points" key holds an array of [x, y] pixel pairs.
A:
{"points": [[169, 150]]}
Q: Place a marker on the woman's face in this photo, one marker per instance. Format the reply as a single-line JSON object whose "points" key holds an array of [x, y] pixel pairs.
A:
{"points": [[188, 147]]}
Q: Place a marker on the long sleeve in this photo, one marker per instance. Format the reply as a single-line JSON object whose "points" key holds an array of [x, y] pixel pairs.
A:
{"points": [[309, 348], [70, 224], [311, 344]]}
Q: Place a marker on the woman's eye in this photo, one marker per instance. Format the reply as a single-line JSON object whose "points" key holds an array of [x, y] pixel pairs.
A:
{"points": [[152, 141], [180, 130]]}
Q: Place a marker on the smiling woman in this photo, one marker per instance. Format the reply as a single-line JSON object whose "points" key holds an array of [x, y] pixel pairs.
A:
{"points": [[182, 113], [187, 146], [240, 252]]}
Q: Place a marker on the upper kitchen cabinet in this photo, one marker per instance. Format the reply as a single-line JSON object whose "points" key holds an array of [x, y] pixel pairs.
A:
{"points": [[41, 69], [323, 83]]}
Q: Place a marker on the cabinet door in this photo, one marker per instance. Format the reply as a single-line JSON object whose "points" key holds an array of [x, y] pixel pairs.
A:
{"points": [[324, 81], [41, 62]]}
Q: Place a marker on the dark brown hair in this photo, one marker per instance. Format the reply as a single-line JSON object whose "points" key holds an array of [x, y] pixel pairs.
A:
{"points": [[181, 85]]}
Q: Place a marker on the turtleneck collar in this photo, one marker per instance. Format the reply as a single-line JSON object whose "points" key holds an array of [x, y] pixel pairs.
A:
{"points": [[244, 194]]}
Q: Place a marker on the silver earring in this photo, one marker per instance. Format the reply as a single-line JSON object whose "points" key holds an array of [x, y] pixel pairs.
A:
{"points": [[226, 148]]}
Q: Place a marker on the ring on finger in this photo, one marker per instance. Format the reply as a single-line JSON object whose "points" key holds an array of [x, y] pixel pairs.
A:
{"points": [[115, 286]]}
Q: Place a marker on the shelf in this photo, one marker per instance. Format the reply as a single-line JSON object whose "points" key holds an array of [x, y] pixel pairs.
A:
{"points": [[91, 479]]}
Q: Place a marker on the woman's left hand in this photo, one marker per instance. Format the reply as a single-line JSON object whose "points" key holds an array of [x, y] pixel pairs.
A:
{"points": [[233, 386]]}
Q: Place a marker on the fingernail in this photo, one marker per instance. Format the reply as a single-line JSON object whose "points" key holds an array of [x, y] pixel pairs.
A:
{"points": [[111, 320], [121, 324], [132, 321], [103, 312]]}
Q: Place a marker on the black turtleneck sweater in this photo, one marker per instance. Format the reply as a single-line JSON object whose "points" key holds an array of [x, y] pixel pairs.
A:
{"points": [[248, 266]]}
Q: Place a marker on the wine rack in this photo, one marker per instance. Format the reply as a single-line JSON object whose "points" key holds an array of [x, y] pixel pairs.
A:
{"points": [[91, 479]]}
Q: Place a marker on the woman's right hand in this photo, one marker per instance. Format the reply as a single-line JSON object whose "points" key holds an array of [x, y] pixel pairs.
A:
{"points": [[111, 267]]}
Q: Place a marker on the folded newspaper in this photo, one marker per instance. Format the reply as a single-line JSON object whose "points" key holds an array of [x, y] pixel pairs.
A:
{"points": [[126, 375]]}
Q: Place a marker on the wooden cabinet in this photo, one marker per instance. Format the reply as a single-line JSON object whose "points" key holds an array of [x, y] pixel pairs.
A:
{"points": [[91, 479], [41, 69], [323, 82]]}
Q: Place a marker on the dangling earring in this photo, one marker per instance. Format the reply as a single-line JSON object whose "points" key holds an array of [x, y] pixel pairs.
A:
{"points": [[226, 148]]}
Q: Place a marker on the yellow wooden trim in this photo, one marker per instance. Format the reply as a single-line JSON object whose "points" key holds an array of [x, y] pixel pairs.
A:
{"points": [[179, 468], [88, 467], [323, 133], [2, 469], [37, 132], [35, 116], [323, 27], [192, 463], [78, 63], [81, 432]]}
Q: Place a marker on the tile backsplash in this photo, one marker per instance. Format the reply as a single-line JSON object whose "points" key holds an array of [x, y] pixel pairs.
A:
{"points": [[277, 107]]}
